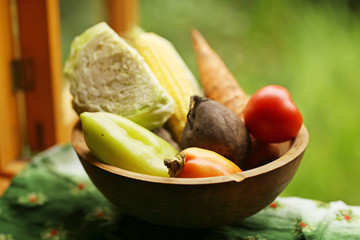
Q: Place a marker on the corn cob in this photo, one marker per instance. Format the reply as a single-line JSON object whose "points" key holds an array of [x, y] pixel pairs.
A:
{"points": [[172, 73]]}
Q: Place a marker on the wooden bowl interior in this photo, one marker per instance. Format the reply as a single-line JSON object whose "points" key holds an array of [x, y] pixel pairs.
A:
{"points": [[289, 151]]}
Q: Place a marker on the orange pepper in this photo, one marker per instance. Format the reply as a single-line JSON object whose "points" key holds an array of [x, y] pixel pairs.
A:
{"points": [[197, 162]]}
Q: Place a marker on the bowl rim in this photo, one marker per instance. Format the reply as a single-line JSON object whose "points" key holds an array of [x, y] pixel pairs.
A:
{"points": [[298, 146]]}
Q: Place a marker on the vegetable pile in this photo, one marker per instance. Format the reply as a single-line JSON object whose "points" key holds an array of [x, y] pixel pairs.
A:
{"points": [[142, 109]]}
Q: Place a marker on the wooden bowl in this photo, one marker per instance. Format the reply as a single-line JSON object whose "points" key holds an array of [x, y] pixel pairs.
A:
{"points": [[192, 203]]}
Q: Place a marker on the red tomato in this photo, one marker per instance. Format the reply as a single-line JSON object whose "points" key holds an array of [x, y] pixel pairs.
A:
{"points": [[271, 115], [261, 154]]}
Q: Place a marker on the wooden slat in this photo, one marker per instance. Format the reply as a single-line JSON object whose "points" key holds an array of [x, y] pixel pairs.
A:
{"points": [[39, 28], [10, 137], [4, 184], [122, 14]]}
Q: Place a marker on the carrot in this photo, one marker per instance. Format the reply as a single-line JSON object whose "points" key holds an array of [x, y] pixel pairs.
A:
{"points": [[218, 82]]}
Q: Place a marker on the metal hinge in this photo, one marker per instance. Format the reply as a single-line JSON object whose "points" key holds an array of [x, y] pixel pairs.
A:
{"points": [[23, 74]]}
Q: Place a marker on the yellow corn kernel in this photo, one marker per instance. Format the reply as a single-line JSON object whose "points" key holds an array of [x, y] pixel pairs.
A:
{"points": [[172, 73]]}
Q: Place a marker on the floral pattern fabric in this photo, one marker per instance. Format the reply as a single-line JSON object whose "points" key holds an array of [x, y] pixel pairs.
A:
{"points": [[53, 199]]}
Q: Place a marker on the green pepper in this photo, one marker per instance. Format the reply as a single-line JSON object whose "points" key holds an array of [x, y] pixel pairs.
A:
{"points": [[121, 142]]}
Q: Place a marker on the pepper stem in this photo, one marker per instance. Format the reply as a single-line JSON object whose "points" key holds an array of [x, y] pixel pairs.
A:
{"points": [[175, 165]]}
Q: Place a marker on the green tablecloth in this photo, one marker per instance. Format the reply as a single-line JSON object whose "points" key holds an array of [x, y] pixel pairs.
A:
{"points": [[52, 198]]}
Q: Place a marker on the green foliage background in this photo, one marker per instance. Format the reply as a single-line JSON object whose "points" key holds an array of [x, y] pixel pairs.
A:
{"points": [[310, 47]]}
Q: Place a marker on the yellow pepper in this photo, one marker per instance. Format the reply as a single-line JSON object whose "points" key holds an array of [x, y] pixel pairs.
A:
{"points": [[120, 142]]}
